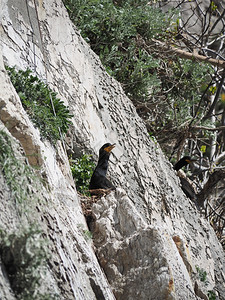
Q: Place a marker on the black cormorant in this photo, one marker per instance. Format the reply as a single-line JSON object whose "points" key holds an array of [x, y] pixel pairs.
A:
{"points": [[184, 161], [98, 179], [185, 184]]}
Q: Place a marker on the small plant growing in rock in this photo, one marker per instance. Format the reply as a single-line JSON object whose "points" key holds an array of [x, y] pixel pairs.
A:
{"points": [[47, 112], [202, 274], [82, 169], [86, 233], [211, 295]]}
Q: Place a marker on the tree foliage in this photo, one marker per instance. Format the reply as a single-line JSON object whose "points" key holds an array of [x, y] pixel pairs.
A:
{"points": [[159, 53], [113, 30], [200, 33], [47, 112]]}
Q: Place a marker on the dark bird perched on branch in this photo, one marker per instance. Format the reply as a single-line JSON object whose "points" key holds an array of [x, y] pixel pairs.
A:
{"points": [[184, 161], [98, 179], [185, 184]]}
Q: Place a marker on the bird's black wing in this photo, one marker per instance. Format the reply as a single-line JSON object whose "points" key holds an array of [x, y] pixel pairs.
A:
{"points": [[100, 182]]}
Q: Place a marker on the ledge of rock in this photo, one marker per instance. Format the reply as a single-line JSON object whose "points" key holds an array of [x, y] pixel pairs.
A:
{"points": [[141, 259]]}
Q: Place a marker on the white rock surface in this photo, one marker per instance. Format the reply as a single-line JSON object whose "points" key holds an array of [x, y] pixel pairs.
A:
{"points": [[149, 240], [143, 261]]}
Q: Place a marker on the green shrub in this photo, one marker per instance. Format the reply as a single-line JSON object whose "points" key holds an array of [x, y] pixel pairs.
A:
{"points": [[185, 82], [166, 89], [114, 31], [37, 99], [82, 169]]}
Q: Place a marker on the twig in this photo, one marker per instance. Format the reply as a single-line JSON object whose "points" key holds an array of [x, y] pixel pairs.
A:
{"points": [[218, 90], [208, 128], [193, 56]]}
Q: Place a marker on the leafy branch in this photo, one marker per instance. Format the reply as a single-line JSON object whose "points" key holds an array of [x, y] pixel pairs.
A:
{"points": [[47, 112]]}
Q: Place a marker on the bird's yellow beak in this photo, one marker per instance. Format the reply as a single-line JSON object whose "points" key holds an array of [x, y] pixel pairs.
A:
{"points": [[109, 148]]}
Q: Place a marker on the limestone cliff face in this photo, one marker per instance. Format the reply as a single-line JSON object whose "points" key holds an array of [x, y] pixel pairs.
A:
{"points": [[148, 237]]}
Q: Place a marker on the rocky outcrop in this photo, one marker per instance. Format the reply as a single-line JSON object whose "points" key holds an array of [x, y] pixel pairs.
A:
{"points": [[149, 238], [142, 259], [131, 252], [73, 270]]}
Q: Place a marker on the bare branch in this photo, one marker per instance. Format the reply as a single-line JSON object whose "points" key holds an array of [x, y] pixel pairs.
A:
{"points": [[219, 88], [214, 178], [223, 122], [208, 128], [218, 19], [184, 54], [220, 158]]}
